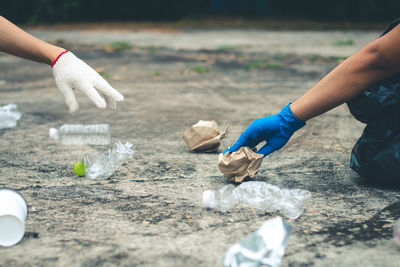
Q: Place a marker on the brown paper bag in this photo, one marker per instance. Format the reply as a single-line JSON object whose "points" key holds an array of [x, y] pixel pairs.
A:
{"points": [[240, 164], [204, 136]]}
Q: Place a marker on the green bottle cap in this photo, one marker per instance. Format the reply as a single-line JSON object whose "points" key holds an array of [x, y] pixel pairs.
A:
{"points": [[80, 168]]}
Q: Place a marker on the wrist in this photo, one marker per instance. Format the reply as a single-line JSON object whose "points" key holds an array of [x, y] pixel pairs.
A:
{"points": [[52, 55], [287, 114], [58, 57], [298, 112]]}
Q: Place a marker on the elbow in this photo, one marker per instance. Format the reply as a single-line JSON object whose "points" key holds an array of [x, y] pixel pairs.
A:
{"points": [[379, 59], [375, 58]]}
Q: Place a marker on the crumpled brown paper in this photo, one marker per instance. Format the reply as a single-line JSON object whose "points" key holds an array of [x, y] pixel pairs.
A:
{"points": [[240, 164], [204, 136]]}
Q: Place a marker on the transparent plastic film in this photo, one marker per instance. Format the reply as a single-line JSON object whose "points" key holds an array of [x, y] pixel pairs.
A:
{"points": [[264, 247], [9, 115]]}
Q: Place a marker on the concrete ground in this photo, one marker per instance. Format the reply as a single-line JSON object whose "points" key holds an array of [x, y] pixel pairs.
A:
{"points": [[150, 212]]}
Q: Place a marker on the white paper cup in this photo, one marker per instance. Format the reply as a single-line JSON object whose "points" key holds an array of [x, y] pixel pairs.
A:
{"points": [[13, 212]]}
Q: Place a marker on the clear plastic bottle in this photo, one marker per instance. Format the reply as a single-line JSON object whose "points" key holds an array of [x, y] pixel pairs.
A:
{"points": [[103, 165], [290, 202], [9, 115], [223, 199], [264, 247], [78, 134]]}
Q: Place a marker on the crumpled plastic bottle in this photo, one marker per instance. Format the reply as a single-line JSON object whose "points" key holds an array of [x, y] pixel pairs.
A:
{"points": [[264, 247], [289, 202], [9, 115], [103, 165]]}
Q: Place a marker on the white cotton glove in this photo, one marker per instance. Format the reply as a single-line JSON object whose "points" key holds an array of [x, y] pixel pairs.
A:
{"points": [[71, 74]]}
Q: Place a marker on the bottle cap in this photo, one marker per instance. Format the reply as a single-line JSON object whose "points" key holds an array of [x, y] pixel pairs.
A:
{"points": [[53, 133], [80, 168]]}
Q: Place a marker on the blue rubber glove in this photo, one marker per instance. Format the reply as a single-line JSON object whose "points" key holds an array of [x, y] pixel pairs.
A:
{"points": [[276, 130]]}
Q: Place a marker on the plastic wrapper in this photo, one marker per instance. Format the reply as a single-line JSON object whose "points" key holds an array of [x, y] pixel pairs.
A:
{"points": [[264, 247], [260, 195], [204, 136], [239, 165]]}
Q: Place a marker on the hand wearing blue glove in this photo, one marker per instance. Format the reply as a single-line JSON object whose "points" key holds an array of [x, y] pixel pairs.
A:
{"points": [[276, 130]]}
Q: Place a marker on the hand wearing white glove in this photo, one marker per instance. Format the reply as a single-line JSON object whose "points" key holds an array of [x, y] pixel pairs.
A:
{"points": [[71, 74]]}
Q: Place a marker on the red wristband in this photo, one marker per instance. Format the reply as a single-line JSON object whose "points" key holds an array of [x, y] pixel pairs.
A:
{"points": [[55, 61]]}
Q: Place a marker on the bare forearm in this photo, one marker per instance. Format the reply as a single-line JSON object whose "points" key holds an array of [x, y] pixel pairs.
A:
{"points": [[366, 67], [15, 41]]}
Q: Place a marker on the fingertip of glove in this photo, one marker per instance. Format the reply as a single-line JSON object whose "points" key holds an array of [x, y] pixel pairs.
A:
{"points": [[265, 150], [119, 97], [72, 104], [101, 104], [73, 109]]}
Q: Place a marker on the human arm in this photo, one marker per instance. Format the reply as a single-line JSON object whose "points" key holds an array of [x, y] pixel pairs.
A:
{"points": [[70, 72], [373, 63], [17, 42]]}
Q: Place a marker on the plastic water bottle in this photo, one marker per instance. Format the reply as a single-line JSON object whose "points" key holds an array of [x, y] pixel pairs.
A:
{"points": [[264, 247], [78, 134], [103, 165], [9, 115], [290, 202]]}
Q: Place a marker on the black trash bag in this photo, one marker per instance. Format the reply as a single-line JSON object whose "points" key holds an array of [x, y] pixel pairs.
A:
{"points": [[376, 155], [376, 103]]}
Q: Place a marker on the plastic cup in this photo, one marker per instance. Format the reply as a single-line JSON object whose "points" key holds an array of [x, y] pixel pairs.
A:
{"points": [[13, 212]]}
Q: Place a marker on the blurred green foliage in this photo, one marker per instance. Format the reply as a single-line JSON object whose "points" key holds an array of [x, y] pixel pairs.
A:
{"points": [[227, 48], [201, 69], [119, 46], [157, 73], [344, 42], [45, 11], [338, 10]]}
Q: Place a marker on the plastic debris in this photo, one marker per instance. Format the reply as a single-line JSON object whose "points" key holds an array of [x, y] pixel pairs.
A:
{"points": [[78, 134], [13, 212], [9, 115], [103, 165], [260, 195], [264, 247]]}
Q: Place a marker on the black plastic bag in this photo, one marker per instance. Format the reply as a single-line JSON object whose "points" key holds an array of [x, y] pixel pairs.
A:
{"points": [[380, 102], [376, 155]]}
